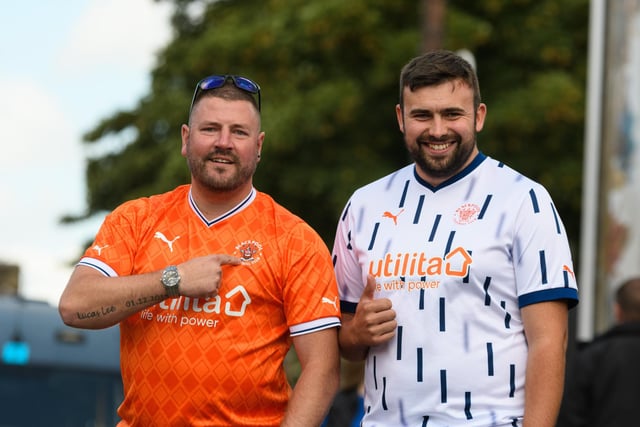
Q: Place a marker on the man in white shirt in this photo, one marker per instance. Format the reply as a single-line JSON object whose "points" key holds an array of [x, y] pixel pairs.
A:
{"points": [[455, 272]]}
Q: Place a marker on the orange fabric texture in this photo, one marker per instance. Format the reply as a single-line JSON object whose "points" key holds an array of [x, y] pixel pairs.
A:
{"points": [[219, 361]]}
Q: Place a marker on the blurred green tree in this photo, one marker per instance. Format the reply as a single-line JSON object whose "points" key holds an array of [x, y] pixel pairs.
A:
{"points": [[329, 71]]}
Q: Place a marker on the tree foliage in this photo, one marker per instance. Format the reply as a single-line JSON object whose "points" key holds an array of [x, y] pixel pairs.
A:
{"points": [[329, 70]]}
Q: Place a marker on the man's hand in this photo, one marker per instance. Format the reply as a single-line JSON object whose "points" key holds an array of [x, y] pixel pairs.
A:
{"points": [[374, 322], [200, 277]]}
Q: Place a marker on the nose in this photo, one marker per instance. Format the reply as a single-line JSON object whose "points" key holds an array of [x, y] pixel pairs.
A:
{"points": [[224, 137], [438, 127]]}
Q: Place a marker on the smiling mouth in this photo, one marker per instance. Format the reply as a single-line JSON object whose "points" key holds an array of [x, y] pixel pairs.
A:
{"points": [[436, 146], [439, 146], [222, 161]]}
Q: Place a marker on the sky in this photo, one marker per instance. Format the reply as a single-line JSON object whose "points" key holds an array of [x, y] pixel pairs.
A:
{"points": [[64, 66]]}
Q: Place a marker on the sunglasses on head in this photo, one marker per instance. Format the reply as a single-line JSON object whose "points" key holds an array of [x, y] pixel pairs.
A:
{"points": [[214, 82]]}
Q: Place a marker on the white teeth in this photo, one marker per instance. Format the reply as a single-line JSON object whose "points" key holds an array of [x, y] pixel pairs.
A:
{"points": [[439, 147]]}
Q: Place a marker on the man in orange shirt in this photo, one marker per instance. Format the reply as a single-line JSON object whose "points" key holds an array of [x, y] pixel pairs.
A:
{"points": [[211, 283]]}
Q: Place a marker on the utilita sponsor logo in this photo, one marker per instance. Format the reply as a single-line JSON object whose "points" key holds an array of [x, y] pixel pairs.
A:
{"points": [[455, 264], [234, 304]]}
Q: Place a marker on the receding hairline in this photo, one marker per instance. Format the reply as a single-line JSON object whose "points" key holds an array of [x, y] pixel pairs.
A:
{"points": [[228, 93]]}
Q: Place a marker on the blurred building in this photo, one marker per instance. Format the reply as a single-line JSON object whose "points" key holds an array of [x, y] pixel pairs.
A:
{"points": [[9, 275]]}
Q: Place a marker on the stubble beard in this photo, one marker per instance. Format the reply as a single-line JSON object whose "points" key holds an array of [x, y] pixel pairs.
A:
{"points": [[207, 174]]}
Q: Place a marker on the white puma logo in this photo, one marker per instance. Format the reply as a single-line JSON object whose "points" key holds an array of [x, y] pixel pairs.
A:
{"points": [[169, 243], [99, 249], [333, 302]]}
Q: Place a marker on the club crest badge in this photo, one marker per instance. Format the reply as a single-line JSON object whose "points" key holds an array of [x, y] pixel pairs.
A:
{"points": [[466, 214], [249, 251]]}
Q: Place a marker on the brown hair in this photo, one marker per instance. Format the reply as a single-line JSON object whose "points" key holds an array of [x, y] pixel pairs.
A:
{"points": [[437, 67]]}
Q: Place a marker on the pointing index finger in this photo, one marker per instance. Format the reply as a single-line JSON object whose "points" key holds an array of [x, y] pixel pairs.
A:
{"points": [[225, 259]]}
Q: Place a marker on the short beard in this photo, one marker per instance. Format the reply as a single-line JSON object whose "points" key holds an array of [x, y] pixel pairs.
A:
{"points": [[198, 167], [444, 167]]}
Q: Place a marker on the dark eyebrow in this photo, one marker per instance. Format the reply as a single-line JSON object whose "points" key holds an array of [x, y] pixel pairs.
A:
{"points": [[454, 110], [419, 111], [448, 110]]}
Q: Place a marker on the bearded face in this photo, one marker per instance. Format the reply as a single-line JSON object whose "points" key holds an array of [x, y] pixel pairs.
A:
{"points": [[222, 144], [440, 125]]}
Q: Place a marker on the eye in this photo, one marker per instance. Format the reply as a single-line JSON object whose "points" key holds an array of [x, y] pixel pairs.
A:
{"points": [[240, 132], [209, 128], [421, 115], [454, 114]]}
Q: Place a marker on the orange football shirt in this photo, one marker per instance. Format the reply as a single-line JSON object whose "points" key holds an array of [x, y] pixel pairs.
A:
{"points": [[215, 362]]}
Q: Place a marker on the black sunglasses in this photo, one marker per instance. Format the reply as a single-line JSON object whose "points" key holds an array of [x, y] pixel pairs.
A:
{"points": [[214, 82]]}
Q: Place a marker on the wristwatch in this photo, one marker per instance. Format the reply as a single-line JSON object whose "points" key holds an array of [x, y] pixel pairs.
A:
{"points": [[171, 281]]}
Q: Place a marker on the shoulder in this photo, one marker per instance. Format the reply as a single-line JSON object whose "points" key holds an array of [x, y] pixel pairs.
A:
{"points": [[510, 184], [622, 331], [151, 206], [279, 217], [287, 228], [271, 209], [619, 340], [509, 177], [392, 182]]}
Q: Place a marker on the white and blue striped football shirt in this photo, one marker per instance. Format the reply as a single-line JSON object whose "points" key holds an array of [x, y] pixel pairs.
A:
{"points": [[458, 261]]}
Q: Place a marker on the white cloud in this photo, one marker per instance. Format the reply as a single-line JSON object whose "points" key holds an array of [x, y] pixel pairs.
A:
{"points": [[42, 175], [76, 65], [35, 131], [125, 32]]}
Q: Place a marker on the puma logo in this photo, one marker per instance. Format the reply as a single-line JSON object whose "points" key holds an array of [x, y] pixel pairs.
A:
{"points": [[388, 214], [99, 248], [568, 270], [162, 237], [333, 302]]}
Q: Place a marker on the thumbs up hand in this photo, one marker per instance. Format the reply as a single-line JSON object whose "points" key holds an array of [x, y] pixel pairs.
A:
{"points": [[374, 321]]}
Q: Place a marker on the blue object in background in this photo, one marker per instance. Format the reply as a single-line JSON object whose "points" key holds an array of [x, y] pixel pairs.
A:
{"points": [[52, 374], [15, 353]]}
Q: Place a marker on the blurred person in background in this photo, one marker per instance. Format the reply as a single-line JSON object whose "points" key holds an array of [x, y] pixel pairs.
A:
{"points": [[348, 406], [603, 377]]}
